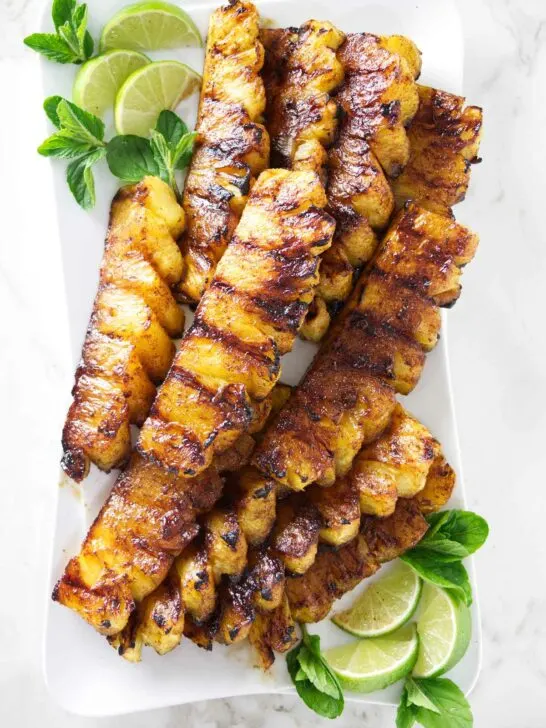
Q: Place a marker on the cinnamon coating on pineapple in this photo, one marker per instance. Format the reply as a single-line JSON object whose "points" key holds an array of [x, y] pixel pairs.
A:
{"points": [[444, 139], [376, 348], [232, 145], [128, 347], [229, 359]]}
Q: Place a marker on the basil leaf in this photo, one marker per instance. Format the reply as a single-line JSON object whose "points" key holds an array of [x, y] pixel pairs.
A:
{"points": [[50, 46], [321, 703], [416, 696], [61, 11], [183, 153], [405, 715], [453, 708], [466, 528], [50, 107], [318, 673], [80, 178], [442, 549], [171, 127], [82, 125], [131, 158], [451, 576], [63, 146]]}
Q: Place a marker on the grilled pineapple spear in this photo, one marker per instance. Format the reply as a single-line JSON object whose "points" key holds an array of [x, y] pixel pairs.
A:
{"points": [[188, 597], [128, 347], [301, 71], [232, 145], [375, 349], [228, 360], [444, 139], [378, 99]]}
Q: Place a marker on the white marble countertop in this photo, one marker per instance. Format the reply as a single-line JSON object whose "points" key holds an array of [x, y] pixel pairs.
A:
{"points": [[498, 350]]}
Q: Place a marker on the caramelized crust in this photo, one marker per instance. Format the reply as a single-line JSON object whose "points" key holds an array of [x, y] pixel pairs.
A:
{"points": [[232, 145], [334, 573], [444, 139], [148, 519], [376, 348], [272, 632], [128, 347], [301, 70], [229, 359], [378, 99]]}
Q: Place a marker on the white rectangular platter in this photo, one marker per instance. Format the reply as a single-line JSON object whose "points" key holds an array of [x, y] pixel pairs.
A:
{"points": [[82, 672]]}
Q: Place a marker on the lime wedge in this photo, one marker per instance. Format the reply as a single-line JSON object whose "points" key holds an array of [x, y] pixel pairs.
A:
{"points": [[146, 92], [98, 81], [444, 626], [385, 606], [368, 665], [150, 26]]}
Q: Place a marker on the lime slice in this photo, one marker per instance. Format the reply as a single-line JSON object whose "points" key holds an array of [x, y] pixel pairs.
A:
{"points": [[98, 81], [368, 665], [444, 626], [150, 26], [385, 606], [157, 86]]}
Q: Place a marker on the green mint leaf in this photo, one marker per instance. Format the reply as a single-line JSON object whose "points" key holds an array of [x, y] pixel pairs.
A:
{"points": [[184, 150], [80, 178], [171, 126], [83, 126], [79, 23], [453, 710], [416, 696], [68, 34], [405, 715], [63, 146], [162, 154], [451, 576], [61, 11], [442, 549], [436, 521], [466, 528], [318, 673], [50, 107], [50, 46], [130, 158], [88, 45], [322, 703]]}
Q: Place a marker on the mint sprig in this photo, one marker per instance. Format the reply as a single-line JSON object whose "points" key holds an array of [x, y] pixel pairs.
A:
{"points": [[313, 679], [433, 703], [453, 535], [71, 42], [80, 137]]}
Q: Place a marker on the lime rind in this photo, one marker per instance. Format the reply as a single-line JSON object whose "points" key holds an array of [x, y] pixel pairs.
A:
{"points": [[99, 79], [444, 626], [153, 25], [384, 606], [367, 665]]}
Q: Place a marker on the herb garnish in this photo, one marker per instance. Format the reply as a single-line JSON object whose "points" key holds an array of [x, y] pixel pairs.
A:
{"points": [[80, 137], [71, 43], [315, 682], [433, 703]]}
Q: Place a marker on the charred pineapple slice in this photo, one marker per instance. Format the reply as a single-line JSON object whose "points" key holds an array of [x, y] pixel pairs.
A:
{"points": [[378, 98], [232, 145], [347, 397], [219, 374], [444, 140], [301, 70], [128, 346]]}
